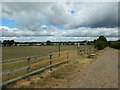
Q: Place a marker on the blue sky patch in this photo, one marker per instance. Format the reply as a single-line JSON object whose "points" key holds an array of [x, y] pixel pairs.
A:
{"points": [[58, 27], [8, 22]]}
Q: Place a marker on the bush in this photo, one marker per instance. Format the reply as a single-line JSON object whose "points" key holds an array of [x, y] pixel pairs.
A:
{"points": [[101, 43], [115, 44]]}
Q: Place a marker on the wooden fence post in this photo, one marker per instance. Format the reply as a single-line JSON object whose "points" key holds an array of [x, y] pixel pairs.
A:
{"points": [[59, 54], [28, 62], [50, 61], [67, 55], [83, 52], [28, 69], [59, 49]]}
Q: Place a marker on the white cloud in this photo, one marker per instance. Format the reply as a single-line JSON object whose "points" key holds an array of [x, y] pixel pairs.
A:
{"points": [[60, 1], [33, 15], [51, 33], [40, 20]]}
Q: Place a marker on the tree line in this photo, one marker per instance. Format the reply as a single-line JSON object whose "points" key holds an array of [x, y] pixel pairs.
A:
{"points": [[99, 43], [9, 42], [102, 42]]}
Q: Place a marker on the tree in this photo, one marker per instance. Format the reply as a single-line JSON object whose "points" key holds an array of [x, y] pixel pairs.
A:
{"points": [[16, 43], [11, 42], [48, 42], [109, 43], [115, 44], [8, 42], [5, 42], [94, 41], [101, 43]]}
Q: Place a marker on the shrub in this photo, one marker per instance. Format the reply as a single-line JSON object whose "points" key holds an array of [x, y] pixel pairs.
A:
{"points": [[101, 43], [115, 44]]}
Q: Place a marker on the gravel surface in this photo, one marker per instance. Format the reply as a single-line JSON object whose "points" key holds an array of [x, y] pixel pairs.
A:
{"points": [[101, 73]]}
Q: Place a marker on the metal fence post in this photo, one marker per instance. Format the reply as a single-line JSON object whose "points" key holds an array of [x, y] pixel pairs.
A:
{"points": [[50, 61]]}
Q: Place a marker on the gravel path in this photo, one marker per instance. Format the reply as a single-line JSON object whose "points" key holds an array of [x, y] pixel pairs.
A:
{"points": [[101, 73]]}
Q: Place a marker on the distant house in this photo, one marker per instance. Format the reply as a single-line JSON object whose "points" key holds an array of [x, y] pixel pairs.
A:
{"points": [[38, 44], [55, 43], [44, 43], [75, 43], [22, 44]]}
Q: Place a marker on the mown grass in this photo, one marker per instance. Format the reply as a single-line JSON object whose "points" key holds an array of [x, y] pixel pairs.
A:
{"points": [[11, 52], [62, 72], [58, 74], [23, 51], [11, 66], [35, 63], [13, 75]]}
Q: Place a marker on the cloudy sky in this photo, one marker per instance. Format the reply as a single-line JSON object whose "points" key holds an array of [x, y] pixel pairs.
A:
{"points": [[59, 21]]}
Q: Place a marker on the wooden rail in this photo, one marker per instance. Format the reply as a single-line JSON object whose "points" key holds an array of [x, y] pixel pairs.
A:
{"points": [[50, 63], [16, 70], [18, 59], [87, 51]]}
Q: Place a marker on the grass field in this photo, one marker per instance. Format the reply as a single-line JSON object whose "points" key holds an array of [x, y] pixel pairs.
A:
{"points": [[35, 63], [24, 51]]}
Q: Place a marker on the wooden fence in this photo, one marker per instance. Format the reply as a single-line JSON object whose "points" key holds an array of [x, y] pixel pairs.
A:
{"points": [[15, 69], [86, 50]]}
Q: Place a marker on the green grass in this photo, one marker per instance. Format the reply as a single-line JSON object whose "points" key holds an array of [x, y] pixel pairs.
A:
{"points": [[24, 51], [57, 74], [62, 72]]}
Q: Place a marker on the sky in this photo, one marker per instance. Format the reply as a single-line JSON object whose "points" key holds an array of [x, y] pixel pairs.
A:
{"points": [[58, 21]]}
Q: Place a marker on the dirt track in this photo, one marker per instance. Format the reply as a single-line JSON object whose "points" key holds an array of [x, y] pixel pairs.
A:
{"points": [[101, 73]]}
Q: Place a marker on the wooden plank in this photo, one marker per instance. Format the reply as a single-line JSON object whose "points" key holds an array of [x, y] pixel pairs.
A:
{"points": [[12, 60], [58, 58], [58, 52], [41, 62], [29, 74], [16, 70], [23, 76], [63, 61], [18, 59]]}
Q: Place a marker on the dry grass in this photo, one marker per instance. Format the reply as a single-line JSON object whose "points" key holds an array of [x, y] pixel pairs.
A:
{"points": [[24, 51], [57, 75]]}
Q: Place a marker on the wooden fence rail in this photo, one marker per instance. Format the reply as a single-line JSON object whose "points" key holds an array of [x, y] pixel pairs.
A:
{"points": [[28, 67], [18, 59], [16, 70], [87, 51]]}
